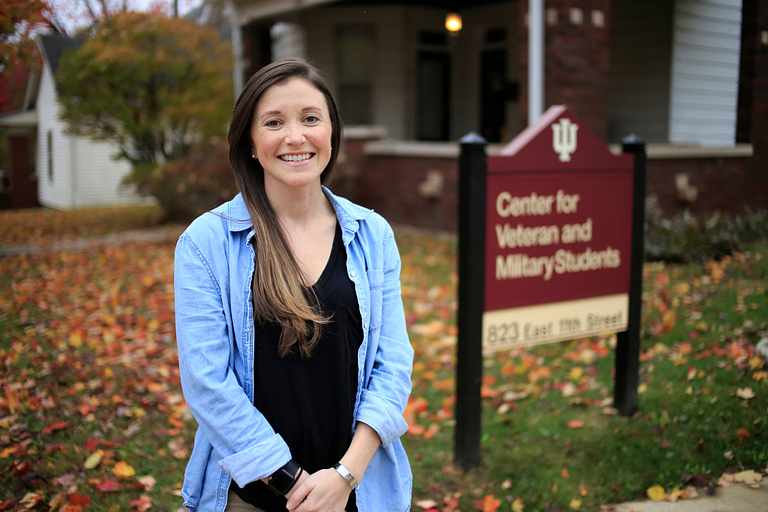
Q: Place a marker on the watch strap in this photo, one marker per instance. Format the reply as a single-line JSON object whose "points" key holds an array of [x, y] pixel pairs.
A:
{"points": [[346, 475]]}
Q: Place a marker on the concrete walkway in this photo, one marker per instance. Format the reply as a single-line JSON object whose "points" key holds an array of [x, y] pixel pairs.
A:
{"points": [[738, 498], [161, 234]]}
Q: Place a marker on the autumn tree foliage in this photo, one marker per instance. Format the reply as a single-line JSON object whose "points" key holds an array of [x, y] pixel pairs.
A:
{"points": [[18, 20], [156, 86]]}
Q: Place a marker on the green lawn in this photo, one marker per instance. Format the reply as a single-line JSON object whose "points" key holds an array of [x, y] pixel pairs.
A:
{"points": [[89, 388]]}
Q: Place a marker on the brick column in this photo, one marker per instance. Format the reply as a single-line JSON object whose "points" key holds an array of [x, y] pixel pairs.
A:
{"points": [[576, 49]]}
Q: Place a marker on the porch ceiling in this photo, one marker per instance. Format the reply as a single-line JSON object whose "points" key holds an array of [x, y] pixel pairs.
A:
{"points": [[448, 5]]}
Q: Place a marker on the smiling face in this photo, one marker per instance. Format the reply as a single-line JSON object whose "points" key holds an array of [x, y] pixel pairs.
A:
{"points": [[291, 134]]}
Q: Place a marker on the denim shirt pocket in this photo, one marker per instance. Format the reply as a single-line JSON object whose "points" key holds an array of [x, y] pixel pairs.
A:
{"points": [[376, 287]]}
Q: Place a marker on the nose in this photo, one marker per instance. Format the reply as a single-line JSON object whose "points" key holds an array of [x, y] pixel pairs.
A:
{"points": [[295, 134]]}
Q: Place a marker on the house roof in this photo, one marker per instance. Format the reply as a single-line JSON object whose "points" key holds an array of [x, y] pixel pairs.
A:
{"points": [[20, 119], [53, 46]]}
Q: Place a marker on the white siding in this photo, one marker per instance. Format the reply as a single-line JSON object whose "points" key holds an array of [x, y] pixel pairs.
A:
{"points": [[99, 176], [56, 192], [640, 62], [705, 71], [84, 173]]}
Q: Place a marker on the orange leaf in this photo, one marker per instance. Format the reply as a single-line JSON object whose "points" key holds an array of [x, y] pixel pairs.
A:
{"points": [[575, 424], [142, 504], [565, 473], [123, 470], [416, 429], [488, 504], [743, 434], [56, 425]]}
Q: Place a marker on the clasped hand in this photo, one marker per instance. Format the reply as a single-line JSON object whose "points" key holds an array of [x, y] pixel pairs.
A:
{"points": [[324, 491]]}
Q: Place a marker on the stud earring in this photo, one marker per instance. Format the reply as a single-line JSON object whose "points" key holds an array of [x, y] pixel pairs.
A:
{"points": [[253, 156]]}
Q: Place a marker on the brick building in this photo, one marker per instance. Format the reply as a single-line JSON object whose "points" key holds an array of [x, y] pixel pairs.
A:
{"points": [[688, 76]]}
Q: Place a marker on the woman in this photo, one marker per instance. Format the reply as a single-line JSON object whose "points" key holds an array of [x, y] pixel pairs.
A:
{"points": [[294, 355]]}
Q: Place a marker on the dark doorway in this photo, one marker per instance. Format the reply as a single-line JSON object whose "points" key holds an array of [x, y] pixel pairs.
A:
{"points": [[493, 93], [433, 100]]}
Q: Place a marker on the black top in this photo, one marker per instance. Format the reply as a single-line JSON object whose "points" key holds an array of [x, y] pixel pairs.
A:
{"points": [[310, 402]]}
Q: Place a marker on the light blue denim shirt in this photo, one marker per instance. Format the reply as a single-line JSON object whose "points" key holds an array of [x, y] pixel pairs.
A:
{"points": [[214, 265]]}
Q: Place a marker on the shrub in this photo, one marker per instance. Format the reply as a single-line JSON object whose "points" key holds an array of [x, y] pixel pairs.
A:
{"points": [[684, 239], [188, 186]]}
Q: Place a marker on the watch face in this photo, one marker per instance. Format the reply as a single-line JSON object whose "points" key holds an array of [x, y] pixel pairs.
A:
{"points": [[281, 482], [283, 479]]}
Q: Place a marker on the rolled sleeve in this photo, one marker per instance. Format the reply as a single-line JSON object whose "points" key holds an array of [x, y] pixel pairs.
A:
{"points": [[247, 444]]}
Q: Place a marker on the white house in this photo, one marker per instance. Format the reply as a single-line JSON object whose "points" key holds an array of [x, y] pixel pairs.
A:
{"points": [[72, 171]]}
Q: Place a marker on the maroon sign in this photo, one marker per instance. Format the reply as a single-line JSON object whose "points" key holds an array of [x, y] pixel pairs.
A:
{"points": [[558, 218]]}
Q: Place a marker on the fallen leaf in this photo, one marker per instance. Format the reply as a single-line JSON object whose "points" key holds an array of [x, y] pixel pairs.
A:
{"points": [[517, 505], [148, 482], [745, 393], [93, 459], [488, 504], [564, 473], [56, 425], [747, 477], [142, 504], [108, 486], [123, 470], [575, 424], [178, 448], [575, 504], [677, 494], [77, 499], [655, 493]]}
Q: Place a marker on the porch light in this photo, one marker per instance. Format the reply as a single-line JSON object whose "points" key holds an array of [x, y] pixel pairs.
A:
{"points": [[453, 22]]}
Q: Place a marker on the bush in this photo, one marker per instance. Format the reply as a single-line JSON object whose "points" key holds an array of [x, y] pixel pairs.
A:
{"points": [[684, 239], [188, 186]]}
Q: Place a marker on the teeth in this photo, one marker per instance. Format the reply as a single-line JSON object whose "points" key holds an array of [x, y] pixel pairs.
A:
{"points": [[296, 158]]}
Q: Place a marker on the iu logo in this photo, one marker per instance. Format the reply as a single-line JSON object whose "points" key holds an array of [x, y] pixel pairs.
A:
{"points": [[564, 138]]}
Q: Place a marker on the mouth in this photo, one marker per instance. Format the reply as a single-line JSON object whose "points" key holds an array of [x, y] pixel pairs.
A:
{"points": [[296, 158]]}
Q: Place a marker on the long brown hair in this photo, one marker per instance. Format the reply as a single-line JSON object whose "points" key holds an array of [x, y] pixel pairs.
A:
{"points": [[278, 292]]}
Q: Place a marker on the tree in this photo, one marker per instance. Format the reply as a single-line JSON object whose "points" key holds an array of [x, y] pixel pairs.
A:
{"points": [[18, 20], [155, 86]]}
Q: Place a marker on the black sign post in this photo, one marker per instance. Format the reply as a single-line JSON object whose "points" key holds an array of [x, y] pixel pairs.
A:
{"points": [[625, 398], [469, 357]]}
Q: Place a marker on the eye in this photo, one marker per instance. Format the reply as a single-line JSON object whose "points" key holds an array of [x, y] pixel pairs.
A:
{"points": [[272, 123], [312, 118]]}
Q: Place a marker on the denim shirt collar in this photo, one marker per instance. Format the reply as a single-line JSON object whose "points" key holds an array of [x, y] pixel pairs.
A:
{"points": [[348, 213]]}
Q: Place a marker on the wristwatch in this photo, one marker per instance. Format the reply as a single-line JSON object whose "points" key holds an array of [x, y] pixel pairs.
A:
{"points": [[283, 480], [344, 472]]}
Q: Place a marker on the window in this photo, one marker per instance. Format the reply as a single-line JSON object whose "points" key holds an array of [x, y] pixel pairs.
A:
{"points": [[355, 72], [433, 75], [49, 153], [32, 155]]}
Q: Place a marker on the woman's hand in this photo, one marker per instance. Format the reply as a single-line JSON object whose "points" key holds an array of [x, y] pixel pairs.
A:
{"points": [[324, 491]]}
